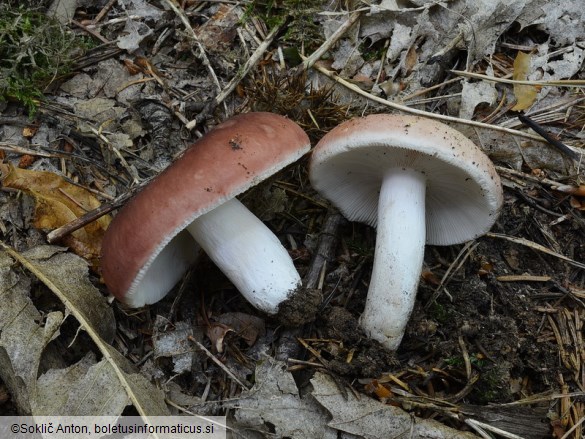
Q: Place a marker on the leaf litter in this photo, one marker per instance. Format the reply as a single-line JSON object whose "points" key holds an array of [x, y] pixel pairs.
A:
{"points": [[475, 338], [66, 276]]}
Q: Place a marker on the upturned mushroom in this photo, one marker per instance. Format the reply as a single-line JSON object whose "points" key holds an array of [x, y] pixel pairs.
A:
{"points": [[416, 180], [153, 240]]}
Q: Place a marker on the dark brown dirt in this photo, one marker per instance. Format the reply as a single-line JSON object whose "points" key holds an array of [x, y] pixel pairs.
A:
{"points": [[300, 308]]}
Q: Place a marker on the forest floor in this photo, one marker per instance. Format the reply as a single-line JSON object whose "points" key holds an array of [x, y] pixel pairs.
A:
{"points": [[495, 346]]}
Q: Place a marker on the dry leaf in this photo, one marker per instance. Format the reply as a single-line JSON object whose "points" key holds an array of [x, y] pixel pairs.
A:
{"points": [[273, 406], [62, 10], [410, 60], [136, 31], [125, 382], [216, 332], [57, 202], [68, 273], [474, 94], [576, 203], [30, 131], [171, 340], [525, 94], [276, 397], [87, 388], [19, 321], [369, 418], [218, 33], [132, 68], [26, 160], [247, 326], [381, 391]]}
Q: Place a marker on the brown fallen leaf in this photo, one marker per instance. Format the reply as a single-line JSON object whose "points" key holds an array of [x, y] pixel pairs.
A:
{"points": [[247, 326], [525, 94], [216, 332], [89, 387], [218, 33], [26, 160], [57, 202], [576, 203]]}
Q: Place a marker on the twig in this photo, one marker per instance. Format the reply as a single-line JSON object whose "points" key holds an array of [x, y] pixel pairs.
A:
{"points": [[522, 278], [573, 428], [92, 32], [104, 11], [475, 423], [242, 72], [58, 234], [465, 355], [549, 138], [202, 55], [7, 146], [557, 83], [288, 345], [219, 363], [115, 150], [339, 32], [459, 260], [535, 246], [428, 89], [332, 75], [520, 174], [325, 247]]}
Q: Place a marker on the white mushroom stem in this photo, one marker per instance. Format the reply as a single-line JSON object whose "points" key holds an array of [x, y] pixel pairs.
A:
{"points": [[398, 259], [248, 253]]}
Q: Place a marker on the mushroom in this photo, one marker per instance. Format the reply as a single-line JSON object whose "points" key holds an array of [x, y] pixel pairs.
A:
{"points": [[416, 181], [152, 241]]}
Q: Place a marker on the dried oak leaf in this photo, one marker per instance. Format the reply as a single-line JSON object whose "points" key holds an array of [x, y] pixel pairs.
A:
{"points": [[525, 94], [58, 202]]}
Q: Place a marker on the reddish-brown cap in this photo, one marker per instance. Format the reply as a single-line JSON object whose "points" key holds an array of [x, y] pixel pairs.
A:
{"points": [[231, 158], [463, 193]]}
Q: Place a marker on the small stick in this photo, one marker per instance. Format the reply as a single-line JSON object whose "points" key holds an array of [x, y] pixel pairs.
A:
{"points": [[325, 248], [92, 32], [288, 346], [59, 233], [529, 177], [332, 75], [242, 72], [103, 12], [339, 32], [555, 83], [115, 150], [219, 363], [564, 149], [202, 55]]}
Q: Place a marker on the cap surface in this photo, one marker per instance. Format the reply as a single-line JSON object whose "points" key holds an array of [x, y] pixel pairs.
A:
{"points": [[231, 158], [463, 194]]}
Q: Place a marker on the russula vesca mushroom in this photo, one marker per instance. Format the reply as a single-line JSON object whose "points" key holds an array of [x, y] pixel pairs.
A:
{"points": [[152, 241], [416, 180]]}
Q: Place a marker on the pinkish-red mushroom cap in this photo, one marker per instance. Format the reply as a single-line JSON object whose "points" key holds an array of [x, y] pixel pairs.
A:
{"points": [[234, 156]]}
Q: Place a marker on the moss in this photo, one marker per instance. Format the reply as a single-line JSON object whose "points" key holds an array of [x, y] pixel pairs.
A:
{"points": [[439, 313], [493, 385], [35, 50], [302, 30]]}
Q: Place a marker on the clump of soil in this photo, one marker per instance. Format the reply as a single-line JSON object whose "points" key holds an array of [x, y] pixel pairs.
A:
{"points": [[368, 358], [300, 308]]}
